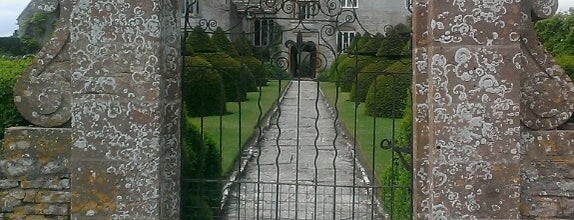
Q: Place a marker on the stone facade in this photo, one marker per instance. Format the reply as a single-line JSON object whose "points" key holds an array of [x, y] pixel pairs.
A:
{"points": [[321, 25], [34, 174]]}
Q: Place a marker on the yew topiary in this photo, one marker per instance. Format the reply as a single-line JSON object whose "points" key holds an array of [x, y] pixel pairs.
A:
{"points": [[203, 92], [257, 69], [200, 160], [199, 42], [395, 42], [366, 76], [235, 76], [223, 43], [243, 46], [371, 47], [348, 68], [386, 94]]}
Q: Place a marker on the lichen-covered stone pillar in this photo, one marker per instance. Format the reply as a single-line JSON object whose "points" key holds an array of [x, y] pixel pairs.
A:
{"points": [[125, 109], [467, 109]]}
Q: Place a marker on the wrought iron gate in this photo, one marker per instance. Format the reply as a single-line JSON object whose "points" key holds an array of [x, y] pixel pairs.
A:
{"points": [[305, 151]]}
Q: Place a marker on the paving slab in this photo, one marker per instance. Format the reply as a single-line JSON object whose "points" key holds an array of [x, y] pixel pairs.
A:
{"points": [[302, 167]]}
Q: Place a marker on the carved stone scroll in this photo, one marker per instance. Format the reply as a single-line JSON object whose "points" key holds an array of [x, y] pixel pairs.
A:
{"points": [[42, 94], [547, 97]]}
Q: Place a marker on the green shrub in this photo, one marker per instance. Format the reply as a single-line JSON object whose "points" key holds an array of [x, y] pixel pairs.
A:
{"points": [[248, 81], [223, 43], [556, 33], [395, 42], [372, 46], [257, 69], [324, 76], [397, 202], [400, 176], [276, 72], [348, 68], [10, 71], [203, 92], [366, 77], [566, 61], [199, 42], [243, 46], [13, 46], [200, 160], [405, 127], [234, 76], [334, 75], [385, 96], [358, 43]]}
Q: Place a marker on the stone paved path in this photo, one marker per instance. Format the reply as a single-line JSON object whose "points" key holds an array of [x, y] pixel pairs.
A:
{"points": [[288, 189]]}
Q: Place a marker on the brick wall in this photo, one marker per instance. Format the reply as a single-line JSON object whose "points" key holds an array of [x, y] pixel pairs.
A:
{"points": [[34, 175]]}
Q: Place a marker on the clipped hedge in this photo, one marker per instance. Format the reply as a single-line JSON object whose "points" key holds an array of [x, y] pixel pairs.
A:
{"points": [[348, 67], [276, 72], [400, 175], [200, 160], [257, 69], [399, 204], [234, 76], [221, 41], [395, 42], [366, 77], [199, 42], [385, 96], [372, 45], [359, 41], [10, 71], [244, 46], [203, 92]]}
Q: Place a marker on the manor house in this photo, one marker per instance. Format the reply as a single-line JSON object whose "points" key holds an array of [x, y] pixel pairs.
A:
{"points": [[326, 27]]}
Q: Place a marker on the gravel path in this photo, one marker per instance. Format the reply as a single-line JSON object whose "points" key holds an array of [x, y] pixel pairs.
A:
{"points": [[302, 172]]}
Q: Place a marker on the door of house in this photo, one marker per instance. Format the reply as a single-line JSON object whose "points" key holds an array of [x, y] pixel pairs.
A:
{"points": [[293, 110]]}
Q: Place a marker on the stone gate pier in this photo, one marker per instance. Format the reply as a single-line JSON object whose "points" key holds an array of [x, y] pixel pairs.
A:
{"points": [[105, 95], [488, 106]]}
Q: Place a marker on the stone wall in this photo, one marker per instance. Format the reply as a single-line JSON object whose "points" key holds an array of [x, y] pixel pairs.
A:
{"points": [[34, 174], [548, 173]]}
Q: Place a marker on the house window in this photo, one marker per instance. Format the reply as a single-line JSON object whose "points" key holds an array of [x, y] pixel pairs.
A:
{"points": [[349, 3], [263, 32], [344, 39], [308, 9], [191, 5]]}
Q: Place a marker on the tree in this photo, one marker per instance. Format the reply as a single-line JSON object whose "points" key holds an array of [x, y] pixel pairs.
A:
{"points": [[556, 33]]}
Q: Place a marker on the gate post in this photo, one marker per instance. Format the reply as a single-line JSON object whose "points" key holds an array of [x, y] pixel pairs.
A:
{"points": [[125, 109], [481, 83]]}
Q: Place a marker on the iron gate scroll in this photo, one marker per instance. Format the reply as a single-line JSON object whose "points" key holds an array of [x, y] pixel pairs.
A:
{"points": [[269, 132]]}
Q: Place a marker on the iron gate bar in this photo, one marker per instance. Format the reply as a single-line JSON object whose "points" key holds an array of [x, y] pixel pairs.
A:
{"points": [[260, 184]]}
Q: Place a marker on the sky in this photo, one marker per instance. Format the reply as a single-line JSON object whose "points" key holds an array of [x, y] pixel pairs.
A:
{"points": [[10, 9]]}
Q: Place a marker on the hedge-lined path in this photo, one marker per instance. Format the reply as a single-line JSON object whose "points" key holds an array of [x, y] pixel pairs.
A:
{"points": [[304, 168]]}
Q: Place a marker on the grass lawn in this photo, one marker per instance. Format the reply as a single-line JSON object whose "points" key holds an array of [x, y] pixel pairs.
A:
{"points": [[368, 131], [226, 136]]}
